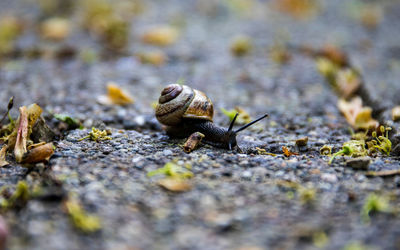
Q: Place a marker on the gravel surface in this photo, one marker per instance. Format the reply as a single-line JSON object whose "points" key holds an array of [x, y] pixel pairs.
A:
{"points": [[238, 200]]}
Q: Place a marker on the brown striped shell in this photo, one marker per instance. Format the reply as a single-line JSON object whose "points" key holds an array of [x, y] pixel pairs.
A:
{"points": [[180, 101]]}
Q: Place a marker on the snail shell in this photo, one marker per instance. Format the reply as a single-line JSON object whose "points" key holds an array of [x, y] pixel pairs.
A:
{"points": [[178, 102]]}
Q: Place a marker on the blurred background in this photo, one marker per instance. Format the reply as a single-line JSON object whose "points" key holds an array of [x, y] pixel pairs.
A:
{"points": [[237, 51]]}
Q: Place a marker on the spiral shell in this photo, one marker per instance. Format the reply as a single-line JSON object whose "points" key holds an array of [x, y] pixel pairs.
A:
{"points": [[177, 102]]}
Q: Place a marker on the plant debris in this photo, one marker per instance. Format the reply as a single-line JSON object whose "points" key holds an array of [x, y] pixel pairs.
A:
{"points": [[55, 28], [115, 96], [374, 203], [299, 9], [193, 142], [357, 116], [155, 57], [396, 113], [172, 169], [39, 153], [71, 122], [287, 152], [161, 36], [351, 148], [102, 19], [325, 150], [262, 151], [3, 152], [307, 195], [241, 46], [242, 118], [279, 53], [18, 199], [97, 135], [81, 220]]}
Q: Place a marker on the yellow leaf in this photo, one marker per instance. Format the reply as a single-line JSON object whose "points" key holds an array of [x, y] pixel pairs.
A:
{"points": [[161, 36], [357, 116], [115, 96]]}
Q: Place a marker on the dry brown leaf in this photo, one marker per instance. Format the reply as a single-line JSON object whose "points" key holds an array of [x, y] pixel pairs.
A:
{"points": [[3, 152], [20, 144], [300, 9], [161, 36], [175, 184], [357, 116], [39, 153], [287, 152], [115, 96]]}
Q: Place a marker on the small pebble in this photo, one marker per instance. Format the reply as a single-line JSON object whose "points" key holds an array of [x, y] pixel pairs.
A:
{"points": [[360, 163]]}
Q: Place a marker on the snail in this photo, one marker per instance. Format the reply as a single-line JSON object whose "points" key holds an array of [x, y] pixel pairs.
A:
{"points": [[184, 111]]}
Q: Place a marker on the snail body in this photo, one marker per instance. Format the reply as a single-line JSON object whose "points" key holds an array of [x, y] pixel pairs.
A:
{"points": [[184, 111]]}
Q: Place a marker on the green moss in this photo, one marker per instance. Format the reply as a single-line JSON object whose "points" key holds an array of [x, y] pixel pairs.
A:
{"points": [[307, 195], [71, 122], [19, 198], [374, 203], [353, 148], [97, 135], [173, 170], [382, 143], [80, 219]]}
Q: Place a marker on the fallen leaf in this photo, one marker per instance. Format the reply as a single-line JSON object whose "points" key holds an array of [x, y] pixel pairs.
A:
{"points": [[3, 152], [80, 218], [20, 144], [348, 82], [39, 153], [357, 116], [287, 152], [242, 118], [55, 28], [156, 58], [175, 184], [115, 96], [161, 36]]}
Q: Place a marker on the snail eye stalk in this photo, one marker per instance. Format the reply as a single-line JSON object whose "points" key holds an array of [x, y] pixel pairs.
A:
{"points": [[250, 123], [232, 122]]}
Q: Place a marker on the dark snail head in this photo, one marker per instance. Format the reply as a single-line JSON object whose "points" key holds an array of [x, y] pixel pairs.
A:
{"points": [[231, 135]]}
